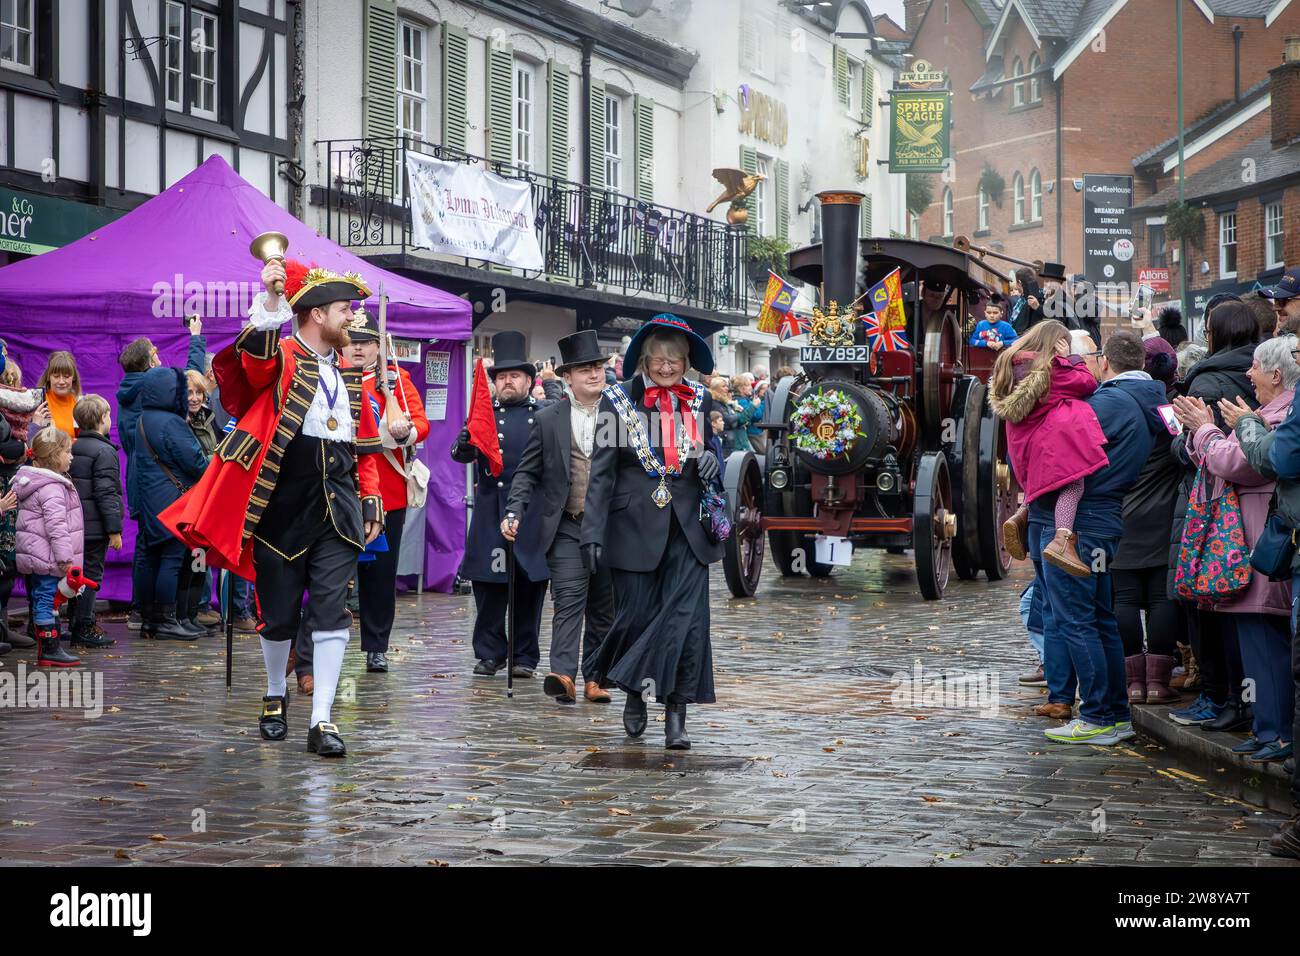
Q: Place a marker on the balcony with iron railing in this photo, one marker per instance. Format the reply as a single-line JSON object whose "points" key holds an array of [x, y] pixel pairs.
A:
{"points": [[589, 238]]}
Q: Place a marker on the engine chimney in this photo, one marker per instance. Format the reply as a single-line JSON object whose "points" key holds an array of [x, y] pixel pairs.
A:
{"points": [[840, 215], [1284, 85]]}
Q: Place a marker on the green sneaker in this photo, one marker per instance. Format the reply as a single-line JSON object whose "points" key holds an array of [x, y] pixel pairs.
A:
{"points": [[1079, 731]]}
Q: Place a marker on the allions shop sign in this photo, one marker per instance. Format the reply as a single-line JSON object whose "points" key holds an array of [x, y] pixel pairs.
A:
{"points": [[31, 224]]}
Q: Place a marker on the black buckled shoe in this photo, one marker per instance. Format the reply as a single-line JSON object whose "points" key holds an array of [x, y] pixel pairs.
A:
{"points": [[675, 728], [634, 715], [324, 740], [274, 722], [376, 662], [86, 635]]}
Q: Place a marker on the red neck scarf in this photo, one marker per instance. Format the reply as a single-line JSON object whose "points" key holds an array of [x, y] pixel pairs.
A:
{"points": [[660, 396]]}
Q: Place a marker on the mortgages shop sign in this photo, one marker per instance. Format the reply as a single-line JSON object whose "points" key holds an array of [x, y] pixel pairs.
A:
{"points": [[31, 224], [919, 124]]}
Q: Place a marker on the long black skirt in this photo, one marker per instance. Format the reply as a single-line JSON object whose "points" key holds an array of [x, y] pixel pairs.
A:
{"points": [[659, 643]]}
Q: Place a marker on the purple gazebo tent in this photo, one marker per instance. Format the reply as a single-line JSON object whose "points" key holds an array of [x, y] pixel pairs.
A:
{"points": [[187, 250]]}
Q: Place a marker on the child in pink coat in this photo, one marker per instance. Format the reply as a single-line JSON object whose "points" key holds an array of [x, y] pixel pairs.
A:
{"points": [[50, 535], [1053, 436]]}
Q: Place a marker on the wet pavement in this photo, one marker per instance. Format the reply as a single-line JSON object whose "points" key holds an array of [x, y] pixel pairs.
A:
{"points": [[814, 754]]}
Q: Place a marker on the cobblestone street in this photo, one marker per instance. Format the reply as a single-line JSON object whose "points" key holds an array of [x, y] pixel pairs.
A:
{"points": [[808, 758]]}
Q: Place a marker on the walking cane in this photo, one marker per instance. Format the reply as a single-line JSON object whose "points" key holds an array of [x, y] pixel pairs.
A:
{"points": [[227, 601], [510, 619]]}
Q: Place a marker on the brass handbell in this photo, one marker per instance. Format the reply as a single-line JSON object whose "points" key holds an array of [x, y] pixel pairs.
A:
{"points": [[268, 246]]}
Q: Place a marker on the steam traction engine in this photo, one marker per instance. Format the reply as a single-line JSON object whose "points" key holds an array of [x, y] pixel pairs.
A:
{"points": [[877, 449]]}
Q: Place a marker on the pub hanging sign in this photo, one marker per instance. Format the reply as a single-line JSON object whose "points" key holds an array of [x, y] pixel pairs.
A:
{"points": [[919, 128]]}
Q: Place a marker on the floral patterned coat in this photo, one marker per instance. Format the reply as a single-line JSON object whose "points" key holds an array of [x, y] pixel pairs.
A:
{"points": [[1224, 460]]}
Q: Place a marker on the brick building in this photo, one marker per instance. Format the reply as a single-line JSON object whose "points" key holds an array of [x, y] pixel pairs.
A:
{"points": [[1046, 91], [1246, 200]]}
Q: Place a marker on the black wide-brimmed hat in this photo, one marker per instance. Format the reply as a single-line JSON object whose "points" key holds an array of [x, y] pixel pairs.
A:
{"points": [[363, 327], [701, 356], [580, 348], [509, 352], [1052, 270]]}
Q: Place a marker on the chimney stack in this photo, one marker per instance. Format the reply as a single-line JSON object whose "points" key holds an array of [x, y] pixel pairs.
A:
{"points": [[913, 10], [1284, 94]]}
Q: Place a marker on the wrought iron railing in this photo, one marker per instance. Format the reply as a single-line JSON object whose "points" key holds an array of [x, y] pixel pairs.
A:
{"points": [[588, 237]]}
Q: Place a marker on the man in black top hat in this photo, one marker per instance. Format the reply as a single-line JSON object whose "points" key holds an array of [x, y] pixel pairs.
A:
{"points": [[484, 565], [558, 462], [1285, 296]]}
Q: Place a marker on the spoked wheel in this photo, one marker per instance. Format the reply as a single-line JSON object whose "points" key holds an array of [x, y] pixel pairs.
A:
{"points": [[940, 373], [742, 553], [997, 496], [933, 525], [963, 455]]}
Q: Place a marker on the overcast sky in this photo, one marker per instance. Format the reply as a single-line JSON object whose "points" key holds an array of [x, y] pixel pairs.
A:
{"points": [[892, 7]]}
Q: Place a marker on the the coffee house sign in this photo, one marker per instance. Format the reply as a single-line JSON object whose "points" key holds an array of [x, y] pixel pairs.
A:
{"points": [[765, 119]]}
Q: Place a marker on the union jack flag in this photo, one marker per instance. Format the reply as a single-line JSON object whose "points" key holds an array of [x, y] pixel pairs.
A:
{"points": [[880, 337], [792, 325]]}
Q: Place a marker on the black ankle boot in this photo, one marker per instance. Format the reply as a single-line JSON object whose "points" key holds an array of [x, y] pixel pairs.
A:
{"points": [[675, 728], [634, 715], [166, 627], [1234, 716]]}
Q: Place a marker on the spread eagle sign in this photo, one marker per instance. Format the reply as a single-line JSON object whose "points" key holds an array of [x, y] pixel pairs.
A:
{"points": [[482, 423]]}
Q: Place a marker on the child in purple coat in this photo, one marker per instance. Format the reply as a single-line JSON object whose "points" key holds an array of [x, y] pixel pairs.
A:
{"points": [[50, 530], [1053, 436]]}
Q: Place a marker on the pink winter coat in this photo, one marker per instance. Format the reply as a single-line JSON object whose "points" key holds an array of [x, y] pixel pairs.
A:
{"points": [[1053, 435], [1223, 458], [49, 521]]}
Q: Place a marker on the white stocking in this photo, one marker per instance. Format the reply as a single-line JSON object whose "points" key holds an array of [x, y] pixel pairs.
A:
{"points": [[327, 664]]}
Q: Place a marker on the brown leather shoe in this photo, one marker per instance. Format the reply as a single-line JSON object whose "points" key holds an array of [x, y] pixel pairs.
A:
{"points": [[306, 683], [1055, 711], [1063, 553], [1015, 534], [561, 687], [595, 693]]}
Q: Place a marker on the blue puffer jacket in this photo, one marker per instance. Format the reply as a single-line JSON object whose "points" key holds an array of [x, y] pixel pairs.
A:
{"points": [[164, 401], [129, 392]]}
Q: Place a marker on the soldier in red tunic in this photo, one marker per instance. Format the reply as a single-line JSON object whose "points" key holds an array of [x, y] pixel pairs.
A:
{"points": [[288, 501]]}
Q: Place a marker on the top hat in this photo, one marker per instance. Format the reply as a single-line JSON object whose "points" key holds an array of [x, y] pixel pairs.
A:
{"points": [[363, 327], [1288, 287], [310, 287], [935, 285], [580, 348], [701, 357], [510, 352], [1052, 270]]}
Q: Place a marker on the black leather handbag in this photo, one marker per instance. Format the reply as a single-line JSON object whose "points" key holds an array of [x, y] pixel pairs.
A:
{"points": [[1275, 549]]}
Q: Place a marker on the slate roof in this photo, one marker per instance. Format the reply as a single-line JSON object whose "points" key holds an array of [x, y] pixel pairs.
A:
{"points": [[1241, 8], [1225, 176]]}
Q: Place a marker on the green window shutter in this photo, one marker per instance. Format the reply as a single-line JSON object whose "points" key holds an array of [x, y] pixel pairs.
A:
{"points": [[455, 84], [557, 119], [748, 165], [500, 107], [864, 227], [643, 147], [868, 93], [379, 75], [841, 60], [748, 41], [782, 199], [596, 123]]}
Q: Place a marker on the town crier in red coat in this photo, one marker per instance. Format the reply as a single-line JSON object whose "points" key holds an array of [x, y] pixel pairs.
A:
{"points": [[401, 428], [288, 500]]}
